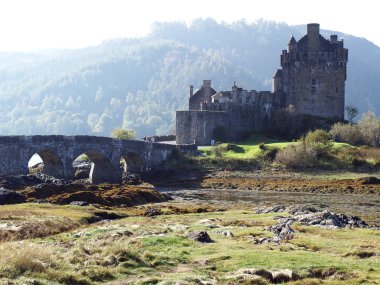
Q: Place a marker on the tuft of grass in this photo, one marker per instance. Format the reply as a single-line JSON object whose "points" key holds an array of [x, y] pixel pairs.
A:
{"points": [[17, 259]]}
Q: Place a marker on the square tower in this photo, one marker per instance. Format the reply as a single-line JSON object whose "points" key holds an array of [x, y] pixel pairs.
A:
{"points": [[314, 74]]}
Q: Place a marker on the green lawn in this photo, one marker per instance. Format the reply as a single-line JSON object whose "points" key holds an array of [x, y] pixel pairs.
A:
{"points": [[245, 149], [250, 148]]}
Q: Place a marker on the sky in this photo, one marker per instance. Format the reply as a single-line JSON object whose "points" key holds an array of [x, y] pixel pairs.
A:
{"points": [[27, 25]]}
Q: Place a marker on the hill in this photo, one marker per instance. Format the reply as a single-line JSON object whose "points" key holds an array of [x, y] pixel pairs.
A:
{"points": [[140, 83]]}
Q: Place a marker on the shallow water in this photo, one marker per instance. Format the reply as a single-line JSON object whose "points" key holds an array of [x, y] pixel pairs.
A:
{"points": [[366, 206]]}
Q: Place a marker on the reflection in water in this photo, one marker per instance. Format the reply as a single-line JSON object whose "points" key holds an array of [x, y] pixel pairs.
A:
{"points": [[365, 206]]}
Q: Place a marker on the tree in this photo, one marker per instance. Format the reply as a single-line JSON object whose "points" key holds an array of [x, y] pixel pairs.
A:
{"points": [[351, 112], [369, 126], [125, 134]]}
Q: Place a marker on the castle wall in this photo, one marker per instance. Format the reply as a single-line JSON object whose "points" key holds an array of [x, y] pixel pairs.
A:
{"points": [[198, 126], [311, 81]]}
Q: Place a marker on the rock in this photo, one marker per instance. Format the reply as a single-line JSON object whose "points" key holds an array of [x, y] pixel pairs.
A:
{"points": [[152, 212], [275, 276], [82, 173], [131, 179], [330, 220], [282, 229], [201, 236], [10, 197], [274, 209], [293, 210], [79, 203], [368, 180], [225, 233], [301, 209], [285, 275]]}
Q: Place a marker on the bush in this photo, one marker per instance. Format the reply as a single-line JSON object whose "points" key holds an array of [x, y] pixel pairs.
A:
{"points": [[318, 141], [262, 146], [125, 134], [218, 150], [369, 126], [315, 146], [268, 153], [297, 157], [348, 133], [367, 131]]}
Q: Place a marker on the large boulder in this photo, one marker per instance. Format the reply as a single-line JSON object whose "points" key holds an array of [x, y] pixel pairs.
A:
{"points": [[201, 236], [10, 197]]}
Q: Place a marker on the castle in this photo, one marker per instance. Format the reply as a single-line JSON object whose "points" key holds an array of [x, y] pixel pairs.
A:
{"points": [[311, 81]]}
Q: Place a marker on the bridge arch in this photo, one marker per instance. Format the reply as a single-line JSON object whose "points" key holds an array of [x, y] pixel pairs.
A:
{"points": [[103, 169], [132, 162], [51, 162]]}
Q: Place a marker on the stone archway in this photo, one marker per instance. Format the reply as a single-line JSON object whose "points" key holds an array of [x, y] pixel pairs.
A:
{"points": [[132, 162], [51, 163], [102, 170]]}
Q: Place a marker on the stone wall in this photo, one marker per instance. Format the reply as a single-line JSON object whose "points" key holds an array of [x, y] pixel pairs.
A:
{"points": [[198, 126], [59, 152]]}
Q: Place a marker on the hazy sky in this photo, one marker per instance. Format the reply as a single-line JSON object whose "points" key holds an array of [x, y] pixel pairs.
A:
{"points": [[40, 24]]}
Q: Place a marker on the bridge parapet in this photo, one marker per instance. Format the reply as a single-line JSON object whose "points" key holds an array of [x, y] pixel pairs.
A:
{"points": [[58, 153]]}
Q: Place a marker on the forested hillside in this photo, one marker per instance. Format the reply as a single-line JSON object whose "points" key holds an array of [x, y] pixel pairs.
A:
{"points": [[139, 83]]}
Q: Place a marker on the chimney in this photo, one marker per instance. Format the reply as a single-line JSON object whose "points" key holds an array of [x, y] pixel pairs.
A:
{"points": [[191, 90], [207, 90], [313, 37], [206, 83], [313, 29], [333, 39]]}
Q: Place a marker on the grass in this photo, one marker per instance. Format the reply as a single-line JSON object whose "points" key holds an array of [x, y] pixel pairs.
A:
{"points": [[247, 149], [143, 250]]}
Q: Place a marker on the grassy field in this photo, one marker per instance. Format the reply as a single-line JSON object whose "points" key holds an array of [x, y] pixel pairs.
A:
{"points": [[156, 250], [246, 149], [253, 148]]}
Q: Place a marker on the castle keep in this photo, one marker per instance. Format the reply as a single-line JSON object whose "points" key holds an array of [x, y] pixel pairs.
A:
{"points": [[311, 81]]}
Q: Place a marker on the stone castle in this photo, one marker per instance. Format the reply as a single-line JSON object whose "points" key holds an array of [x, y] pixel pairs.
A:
{"points": [[311, 81]]}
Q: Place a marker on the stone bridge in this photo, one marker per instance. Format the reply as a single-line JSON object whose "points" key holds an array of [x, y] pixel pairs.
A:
{"points": [[59, 152]]}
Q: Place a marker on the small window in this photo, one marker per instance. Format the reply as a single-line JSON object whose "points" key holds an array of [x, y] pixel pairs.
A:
{"points": [[336, 90], [313, 85]]}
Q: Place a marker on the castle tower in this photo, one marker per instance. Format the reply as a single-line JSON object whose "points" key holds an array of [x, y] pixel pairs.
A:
{"points": [[314, 74], [202, 96], [277, 81]]}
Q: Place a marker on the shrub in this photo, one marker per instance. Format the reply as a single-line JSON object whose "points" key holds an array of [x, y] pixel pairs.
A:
{"points": [[318, 141], [308, 153], [268, 153], [125, 134], [297, 157], [348, 133], [218, 150], [369, 126], [262, 146], [235, 148], [367, 131]]}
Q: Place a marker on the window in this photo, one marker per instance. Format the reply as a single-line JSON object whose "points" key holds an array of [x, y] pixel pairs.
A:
{"points": [[336, 90], [313, 85]]}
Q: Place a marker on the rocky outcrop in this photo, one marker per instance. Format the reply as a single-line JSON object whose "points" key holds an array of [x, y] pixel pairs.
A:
{"points": [[311, 216], [201, 236], [10, 197], [308, 216], [274, 276]]}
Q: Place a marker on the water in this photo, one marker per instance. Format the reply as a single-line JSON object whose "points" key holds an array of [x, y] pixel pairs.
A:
{"points": [[365, 206]]}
